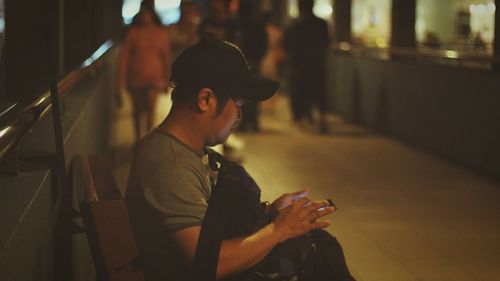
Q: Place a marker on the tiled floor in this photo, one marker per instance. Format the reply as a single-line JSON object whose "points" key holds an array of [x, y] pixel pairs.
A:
{"points": [[403, 214]]}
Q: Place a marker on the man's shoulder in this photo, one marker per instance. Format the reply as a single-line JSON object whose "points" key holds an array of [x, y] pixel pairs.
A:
{"points": [[155, 144], [163, 150], [161, 161]]}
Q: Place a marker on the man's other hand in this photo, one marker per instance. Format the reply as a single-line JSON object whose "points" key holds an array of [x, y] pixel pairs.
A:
{"points": [[301, 217]]}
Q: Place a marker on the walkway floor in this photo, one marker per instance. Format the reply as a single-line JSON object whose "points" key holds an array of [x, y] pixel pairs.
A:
{"points": [[403, 215]]}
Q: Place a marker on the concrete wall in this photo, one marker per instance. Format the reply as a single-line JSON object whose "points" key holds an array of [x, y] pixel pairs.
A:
{"points": [[452, 112], [30, 203]]}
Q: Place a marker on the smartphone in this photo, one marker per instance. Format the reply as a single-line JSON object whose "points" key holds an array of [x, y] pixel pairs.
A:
{"points": [[330, 204]]}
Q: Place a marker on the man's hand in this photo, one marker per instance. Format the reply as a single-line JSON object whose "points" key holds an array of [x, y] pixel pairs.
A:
{"points": [[301, 217], [286, 199]]}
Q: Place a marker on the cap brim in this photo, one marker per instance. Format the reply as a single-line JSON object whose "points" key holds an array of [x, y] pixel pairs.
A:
{"points": [[259, 88]]}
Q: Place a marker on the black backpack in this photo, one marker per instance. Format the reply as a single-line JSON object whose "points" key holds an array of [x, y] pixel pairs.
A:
{"points": [[235, 210]]}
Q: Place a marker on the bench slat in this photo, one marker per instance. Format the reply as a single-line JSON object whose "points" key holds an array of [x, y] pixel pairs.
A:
{"points": [[107, 223]]}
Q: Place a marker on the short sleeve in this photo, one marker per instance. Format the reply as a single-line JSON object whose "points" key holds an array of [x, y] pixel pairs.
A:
{"points": [[177, 197]]}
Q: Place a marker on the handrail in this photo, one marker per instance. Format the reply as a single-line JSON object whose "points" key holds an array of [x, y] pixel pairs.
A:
{"points": [[462, 58], [18, 119]]}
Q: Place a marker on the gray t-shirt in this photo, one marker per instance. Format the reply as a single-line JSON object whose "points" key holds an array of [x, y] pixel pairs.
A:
{"points": [[168, 189]]}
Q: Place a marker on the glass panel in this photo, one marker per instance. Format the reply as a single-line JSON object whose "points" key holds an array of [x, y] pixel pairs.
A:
{"points": [[465, 25], [371, 22]]}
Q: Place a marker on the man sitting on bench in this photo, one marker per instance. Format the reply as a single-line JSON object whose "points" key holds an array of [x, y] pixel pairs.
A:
{"points": [[170, 180]]}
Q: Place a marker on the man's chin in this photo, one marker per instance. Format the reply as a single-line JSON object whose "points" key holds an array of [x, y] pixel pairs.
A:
{"points": [[220, 140]]}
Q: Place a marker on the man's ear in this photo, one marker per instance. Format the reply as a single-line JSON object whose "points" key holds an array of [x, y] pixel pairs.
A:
{"points": [[205, 100]]}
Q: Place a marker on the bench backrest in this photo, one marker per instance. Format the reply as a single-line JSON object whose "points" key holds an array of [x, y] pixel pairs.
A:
{"points": [[107, 223]]}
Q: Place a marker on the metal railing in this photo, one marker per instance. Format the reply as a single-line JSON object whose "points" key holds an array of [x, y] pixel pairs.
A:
{"points": [[19, 118], [448, 57]]}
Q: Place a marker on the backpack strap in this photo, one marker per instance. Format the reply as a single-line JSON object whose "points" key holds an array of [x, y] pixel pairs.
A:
{"points": [[211, 234], [236, 195], [215, 159]]}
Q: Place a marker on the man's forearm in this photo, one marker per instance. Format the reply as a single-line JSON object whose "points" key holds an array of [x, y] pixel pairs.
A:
{"points": [[239, 254], [298, 218]]}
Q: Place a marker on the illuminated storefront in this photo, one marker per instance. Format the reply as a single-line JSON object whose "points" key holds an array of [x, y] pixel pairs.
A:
{"points": [[371, 22], [456, 24]]}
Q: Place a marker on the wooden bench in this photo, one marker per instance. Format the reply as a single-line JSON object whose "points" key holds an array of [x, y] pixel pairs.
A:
{"points": [[107, 223]]}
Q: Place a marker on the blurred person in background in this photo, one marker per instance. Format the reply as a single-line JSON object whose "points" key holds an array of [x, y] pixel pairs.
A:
{"points": [[252, 39], [184, 33], [219, 24], [144, 65], [144, 3], [431, 40], [306, 43], [271, 65]]}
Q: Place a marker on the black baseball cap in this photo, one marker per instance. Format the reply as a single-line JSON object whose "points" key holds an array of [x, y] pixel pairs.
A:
{"points": [[220, 66]]}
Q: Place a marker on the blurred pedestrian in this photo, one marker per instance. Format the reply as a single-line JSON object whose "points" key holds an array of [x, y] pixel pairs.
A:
{"points": [[271, 65], [305, 43], [184, 33], [252, 39], [144, 65], [219, 24]]}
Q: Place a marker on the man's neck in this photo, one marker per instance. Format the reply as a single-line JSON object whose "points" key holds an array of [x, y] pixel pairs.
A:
{"points": [[185, 129]]}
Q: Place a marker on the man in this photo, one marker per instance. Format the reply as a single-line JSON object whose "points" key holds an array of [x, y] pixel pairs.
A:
{"points": [[305, 43], [170, 181]]}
